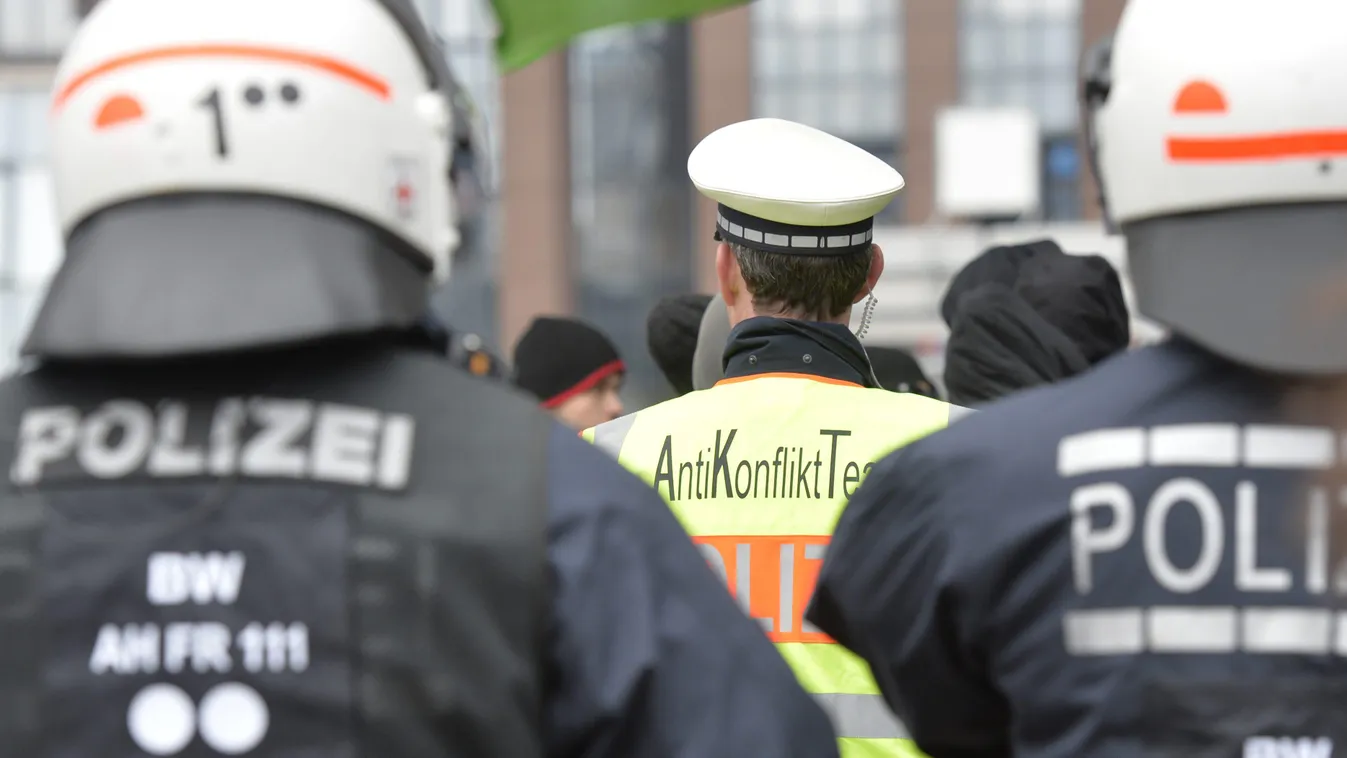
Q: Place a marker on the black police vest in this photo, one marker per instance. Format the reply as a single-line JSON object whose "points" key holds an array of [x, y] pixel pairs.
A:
{"points": [[332, 551]]}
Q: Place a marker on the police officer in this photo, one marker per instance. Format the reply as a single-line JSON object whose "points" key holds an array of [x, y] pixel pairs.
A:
{"points": [[245, 515], [1133, 562], [758, 467]]}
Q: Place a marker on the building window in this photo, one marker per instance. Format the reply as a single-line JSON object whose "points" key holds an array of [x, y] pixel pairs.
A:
{"points": [[469, 35], [467, 30], [37, 30], [631, 211], [30, 247], [1023, 53], [836, 66], [1061, 179], [889, 151]]}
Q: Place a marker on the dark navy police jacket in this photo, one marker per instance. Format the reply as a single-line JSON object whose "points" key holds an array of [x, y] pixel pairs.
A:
{"points": [[1135, 562], [354, 549], [651, 656]]}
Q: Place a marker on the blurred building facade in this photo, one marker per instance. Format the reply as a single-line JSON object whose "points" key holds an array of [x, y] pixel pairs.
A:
{"points": [[594, 214], [603, 240]]}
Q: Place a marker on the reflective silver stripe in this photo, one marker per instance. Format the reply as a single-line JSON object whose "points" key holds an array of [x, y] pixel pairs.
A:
{"points": [[787, 611], [813, 553], [862, 717], [957, 412], [1215, 630], [784, 240], [609, 437], [1206, 445]]}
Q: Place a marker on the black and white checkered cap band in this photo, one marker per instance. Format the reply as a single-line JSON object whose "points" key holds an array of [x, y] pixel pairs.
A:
{"points": [[775, 237]]}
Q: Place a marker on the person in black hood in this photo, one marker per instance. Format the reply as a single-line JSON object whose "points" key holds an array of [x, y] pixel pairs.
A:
{"points": [[1025, 315], [671, 336]]}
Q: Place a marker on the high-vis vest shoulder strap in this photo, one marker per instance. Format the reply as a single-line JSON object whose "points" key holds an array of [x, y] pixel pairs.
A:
{"points": [[758, 472]]}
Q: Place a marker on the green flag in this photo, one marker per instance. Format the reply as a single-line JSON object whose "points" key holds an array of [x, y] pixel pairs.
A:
{"points": [[530, 29]]}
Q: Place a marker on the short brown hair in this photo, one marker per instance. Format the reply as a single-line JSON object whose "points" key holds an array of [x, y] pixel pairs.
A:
{"points": [[809, 287]]}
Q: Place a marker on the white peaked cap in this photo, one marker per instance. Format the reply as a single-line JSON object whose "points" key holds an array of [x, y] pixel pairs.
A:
{"points": [[796, 179]]}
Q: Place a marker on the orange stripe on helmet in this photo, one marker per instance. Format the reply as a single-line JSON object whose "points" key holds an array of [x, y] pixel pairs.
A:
{"points": [[366, 80], [1258, 147]]}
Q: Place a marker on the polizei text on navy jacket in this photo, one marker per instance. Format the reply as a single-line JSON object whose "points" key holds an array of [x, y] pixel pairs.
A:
{"points": [[259, 437], [802, 471]]}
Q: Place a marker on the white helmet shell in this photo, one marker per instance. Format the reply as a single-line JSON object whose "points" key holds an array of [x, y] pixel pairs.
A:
{"points": [[1224, 103], [1221, 145], [323, 102]]}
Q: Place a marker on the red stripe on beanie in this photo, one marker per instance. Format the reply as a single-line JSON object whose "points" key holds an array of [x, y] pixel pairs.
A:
{"points": [[586, 384]]}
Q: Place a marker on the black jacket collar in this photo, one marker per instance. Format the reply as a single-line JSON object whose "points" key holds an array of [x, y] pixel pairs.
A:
{"points": [[764, 345]]}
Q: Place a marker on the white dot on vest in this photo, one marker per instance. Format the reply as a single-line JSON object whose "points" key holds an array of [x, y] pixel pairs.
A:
{"points": [[161, 719], [233, 718]]}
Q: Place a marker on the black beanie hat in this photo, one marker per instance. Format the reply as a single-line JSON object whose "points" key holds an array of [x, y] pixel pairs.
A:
{"points": [[671, 336], [558, 358]]}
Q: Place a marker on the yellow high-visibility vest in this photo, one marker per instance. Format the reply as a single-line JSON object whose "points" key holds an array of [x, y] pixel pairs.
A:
{"points": [[758, 470]]}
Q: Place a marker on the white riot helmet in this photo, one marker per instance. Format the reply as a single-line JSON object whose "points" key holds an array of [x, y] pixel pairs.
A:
{"points": [[1220, 133], [240, 173]]}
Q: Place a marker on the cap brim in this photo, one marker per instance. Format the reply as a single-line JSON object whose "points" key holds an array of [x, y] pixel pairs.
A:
{"points": [[180, 275], [1266, 287], [708, 361]]}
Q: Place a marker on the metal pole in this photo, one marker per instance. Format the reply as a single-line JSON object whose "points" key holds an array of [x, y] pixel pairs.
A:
{"points": [[8, 266], [681, 225]]}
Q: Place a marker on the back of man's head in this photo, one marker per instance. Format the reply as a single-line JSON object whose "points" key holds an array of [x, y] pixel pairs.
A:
{"points": [[804, 287], [795, 218]]}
